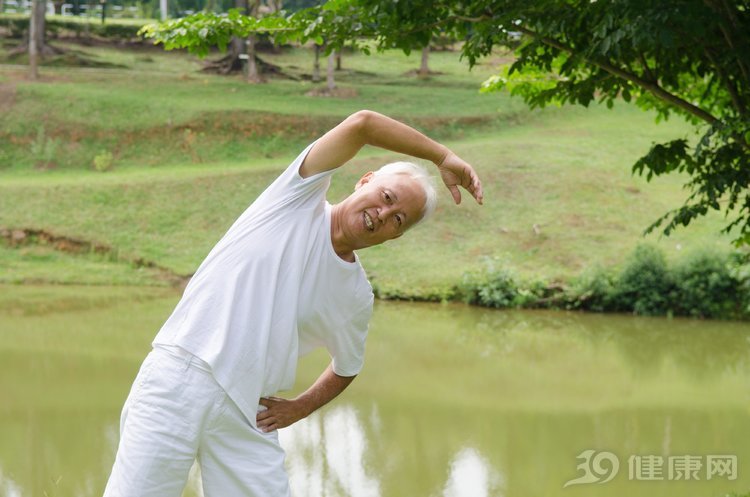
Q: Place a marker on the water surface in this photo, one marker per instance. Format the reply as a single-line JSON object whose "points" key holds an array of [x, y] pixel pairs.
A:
{"points": [[453, 401]]}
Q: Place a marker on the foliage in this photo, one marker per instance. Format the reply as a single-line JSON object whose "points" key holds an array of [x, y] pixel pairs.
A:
{"points": [[678, 57], [702, 285], [44, 149], [112, 29], [200, 32], [593, 291], [103, 161], [645, 284], [495, 287], [681, 57]]}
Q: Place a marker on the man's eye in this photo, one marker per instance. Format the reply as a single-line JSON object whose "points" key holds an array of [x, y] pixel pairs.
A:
{"points": [[398, 220], [387, 197]]}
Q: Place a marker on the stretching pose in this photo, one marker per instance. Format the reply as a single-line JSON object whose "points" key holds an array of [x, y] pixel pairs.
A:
{"points": [[283, 280]]}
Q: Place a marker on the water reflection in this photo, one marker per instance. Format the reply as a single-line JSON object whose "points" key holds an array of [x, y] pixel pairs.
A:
{"points": [[472, 476], [453, 401], [326, 456], [8, 488]]}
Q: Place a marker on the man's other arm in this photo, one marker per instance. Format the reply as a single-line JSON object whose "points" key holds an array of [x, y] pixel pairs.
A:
{"points": [[281, 413]]}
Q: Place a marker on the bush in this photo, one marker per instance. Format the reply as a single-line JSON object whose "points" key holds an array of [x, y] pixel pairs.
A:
{"points": [[18, 24], [495, 287], [103, 161], [44, 149], [704, 287], [593, 291], [645, 284], [740, 272]]}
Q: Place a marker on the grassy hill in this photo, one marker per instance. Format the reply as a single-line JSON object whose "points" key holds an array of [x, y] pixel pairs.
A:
{"points": [[189, 151]]}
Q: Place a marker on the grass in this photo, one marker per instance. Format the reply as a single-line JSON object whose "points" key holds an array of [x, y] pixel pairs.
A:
{"points": [[191, 151]]}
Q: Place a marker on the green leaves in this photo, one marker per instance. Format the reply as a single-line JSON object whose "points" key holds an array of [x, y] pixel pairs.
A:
{"points": [[200, 32], [674, 57]]}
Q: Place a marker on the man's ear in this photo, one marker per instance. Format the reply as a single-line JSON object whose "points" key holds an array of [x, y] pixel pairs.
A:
{"points": [[364, 180]]}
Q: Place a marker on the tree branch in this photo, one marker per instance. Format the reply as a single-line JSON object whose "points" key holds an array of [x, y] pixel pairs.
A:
{"points": [[724, 10], [647, 70], [738, 104], [652, 87]]}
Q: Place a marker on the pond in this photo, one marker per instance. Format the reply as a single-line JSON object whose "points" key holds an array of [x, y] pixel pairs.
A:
{"points": [[454, 401]]}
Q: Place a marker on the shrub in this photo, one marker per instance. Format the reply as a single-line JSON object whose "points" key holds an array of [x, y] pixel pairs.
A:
{"points": [[113, 29], [645, 284], [43, 149], [593, 291], [703, 285], [740, 271], [705, 288], [103, 161], [495, 287]]}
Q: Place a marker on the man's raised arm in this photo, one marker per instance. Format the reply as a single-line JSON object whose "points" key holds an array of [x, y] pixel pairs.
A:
{"points": [[342, 143]]}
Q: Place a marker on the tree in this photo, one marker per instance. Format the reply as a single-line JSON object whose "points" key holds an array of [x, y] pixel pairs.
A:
{"points": [[34, 47], [424, 67], [316, 64], [688, 58], [330, 72], [253, 69]]}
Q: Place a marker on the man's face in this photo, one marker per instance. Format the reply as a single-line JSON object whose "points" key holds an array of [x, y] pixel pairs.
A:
{"points": [[382, 208]]}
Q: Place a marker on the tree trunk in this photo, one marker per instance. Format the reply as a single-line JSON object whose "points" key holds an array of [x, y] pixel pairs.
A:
{"points": [[33, 47], [253, 72], [338, 60], [163, 9], [330, 81], [424, 68], [316, 65], [41, 11], [1, 5]]}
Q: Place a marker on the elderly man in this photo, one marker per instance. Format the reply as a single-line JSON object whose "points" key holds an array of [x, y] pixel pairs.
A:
{"points": [[284, 279]]}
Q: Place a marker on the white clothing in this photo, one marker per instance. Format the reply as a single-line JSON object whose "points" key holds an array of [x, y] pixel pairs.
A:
{"points": [[272, 289], [175, 413]]}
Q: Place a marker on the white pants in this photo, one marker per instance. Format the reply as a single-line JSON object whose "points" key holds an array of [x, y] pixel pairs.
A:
{"points": [[177, 413]]}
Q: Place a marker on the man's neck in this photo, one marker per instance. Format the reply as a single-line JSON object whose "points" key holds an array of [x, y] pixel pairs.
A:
{"points": [[343, 250]]}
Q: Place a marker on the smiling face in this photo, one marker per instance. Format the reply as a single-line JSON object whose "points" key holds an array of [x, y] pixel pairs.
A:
{"points": [[381, 208]]}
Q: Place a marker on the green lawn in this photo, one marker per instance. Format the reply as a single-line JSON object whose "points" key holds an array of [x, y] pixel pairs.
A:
{"points": [[190, 151]]}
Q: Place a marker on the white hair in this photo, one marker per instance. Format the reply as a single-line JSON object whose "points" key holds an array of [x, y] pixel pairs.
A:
{"points": [[423, 179]]}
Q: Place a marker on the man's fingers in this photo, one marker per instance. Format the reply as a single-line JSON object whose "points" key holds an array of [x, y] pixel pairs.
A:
{"points": [[262, 415], [477, 192], [456, 194], [267, 426]]}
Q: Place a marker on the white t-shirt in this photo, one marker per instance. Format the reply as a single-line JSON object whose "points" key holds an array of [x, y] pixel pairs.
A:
{"points": [[271, 290]]}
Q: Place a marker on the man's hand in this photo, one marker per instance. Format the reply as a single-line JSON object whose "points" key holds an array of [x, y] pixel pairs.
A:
{"points": [[279, 413], [455, 171]]}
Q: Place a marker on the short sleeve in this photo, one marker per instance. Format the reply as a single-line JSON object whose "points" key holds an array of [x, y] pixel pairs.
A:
{"points": [[288, 194], [347, 345], [290, 188]]}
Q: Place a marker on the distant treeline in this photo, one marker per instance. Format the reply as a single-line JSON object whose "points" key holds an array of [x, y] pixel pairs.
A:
{"points": [[117, 30], [701, 285]]}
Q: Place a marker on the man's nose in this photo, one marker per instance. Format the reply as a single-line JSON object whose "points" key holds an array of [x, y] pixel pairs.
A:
{"points": [[384, 213]]}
